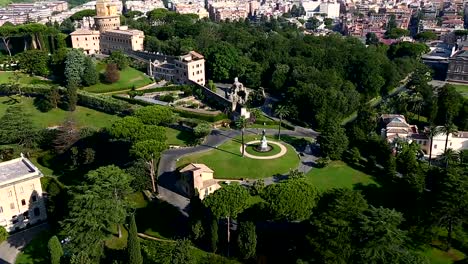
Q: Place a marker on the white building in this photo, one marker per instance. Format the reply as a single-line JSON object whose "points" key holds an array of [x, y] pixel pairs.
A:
{"points": [[21, 201], [330, 8]]}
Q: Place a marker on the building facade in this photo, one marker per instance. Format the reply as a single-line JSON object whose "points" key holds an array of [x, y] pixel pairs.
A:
{"points": [[458, 67], [105, 34], [182, 70], [21, 200], [121, 39], [197, 179], [86, 39]]}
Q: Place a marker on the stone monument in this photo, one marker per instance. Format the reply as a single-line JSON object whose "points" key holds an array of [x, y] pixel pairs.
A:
{"points": [[238, 95], [263, 147]]}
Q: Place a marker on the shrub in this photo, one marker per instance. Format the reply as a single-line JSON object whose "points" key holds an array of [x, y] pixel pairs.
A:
{"points": [[322, 162], [202, 130], [112, 73], [3, 234]]}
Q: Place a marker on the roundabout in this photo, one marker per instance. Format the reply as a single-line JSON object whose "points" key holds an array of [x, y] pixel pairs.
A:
{"points": [[277, 150]]}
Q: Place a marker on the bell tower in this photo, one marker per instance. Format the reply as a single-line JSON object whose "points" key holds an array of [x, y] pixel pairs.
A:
{"points": [[106, 15]]}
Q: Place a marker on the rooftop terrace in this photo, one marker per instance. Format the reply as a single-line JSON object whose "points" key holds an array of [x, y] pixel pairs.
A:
{"points": [[16, 168]]}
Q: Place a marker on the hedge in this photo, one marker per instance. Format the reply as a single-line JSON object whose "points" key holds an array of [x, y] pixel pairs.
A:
{"points": [[104, 103], [181, 112], [89, 100], [167, 88]]}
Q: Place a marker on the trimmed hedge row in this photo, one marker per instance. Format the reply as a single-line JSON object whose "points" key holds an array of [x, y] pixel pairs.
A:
{"points": [[167, 88], [182, 113], [89, 100], [104, 103]]}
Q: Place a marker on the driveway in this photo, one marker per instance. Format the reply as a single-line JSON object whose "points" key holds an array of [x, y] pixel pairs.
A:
{"points": [[10, 249], [169, 158]]}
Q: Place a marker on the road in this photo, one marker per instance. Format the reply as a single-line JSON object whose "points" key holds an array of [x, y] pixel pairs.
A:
{"points": [[10, 249], [167, 163]]}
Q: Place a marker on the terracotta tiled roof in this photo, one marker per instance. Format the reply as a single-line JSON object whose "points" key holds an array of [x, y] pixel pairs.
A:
{"points": [[195, 167]]}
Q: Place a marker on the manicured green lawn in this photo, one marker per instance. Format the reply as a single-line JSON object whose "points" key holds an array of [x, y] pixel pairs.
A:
{"points": [[463, 89], [83, 116], [8, 77], [178, 138], [36, 251], [337, 175], [129, 77], [437, 256], [228, 163]]}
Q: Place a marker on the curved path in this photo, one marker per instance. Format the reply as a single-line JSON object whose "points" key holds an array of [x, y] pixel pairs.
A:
{"points": [[283, 151], [169, 158]]}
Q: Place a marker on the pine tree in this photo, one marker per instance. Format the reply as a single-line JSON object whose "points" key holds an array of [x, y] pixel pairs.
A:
{"points": [[133, 244], [214, 235], [247, 240], [90, 74], [16, 127], [55, 250]]}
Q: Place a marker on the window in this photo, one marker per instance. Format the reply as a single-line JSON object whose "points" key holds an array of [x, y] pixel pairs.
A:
{"points": [[37, 212], [435, 146], [23, 202], [34, 198], [12, 206], [21, 189], [450, 143], [1, 209], [26, 215], [10, 193]]}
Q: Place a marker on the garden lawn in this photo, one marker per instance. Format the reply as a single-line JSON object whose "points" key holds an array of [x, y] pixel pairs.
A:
{"points": [[437, 256], [129, 78], [228, 163], [337, 175], [36, 251], [6, 77], [178, 138], [84, 117], [463, 89]]}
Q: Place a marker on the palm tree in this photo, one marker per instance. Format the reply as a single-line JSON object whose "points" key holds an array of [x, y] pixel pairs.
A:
{"points": [[431, 133], [448, 129], [418, 102], [241, 123], [450, 156], [281, 111]]}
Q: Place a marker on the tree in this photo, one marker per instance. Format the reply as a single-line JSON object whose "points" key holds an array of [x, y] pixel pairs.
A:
{"points": [[214, 235], [149, 150], [228, 202], [83, 13], [72, 98], [426, 36], [34, 62], [290, 200], [372, 39], [181, 253], [154, 115], [112, 74], [450, 156], [451, 202], [312, 23], [90, 73], [16, 127], [95, 207], [55, 250], [221, 60], [202, 130], [118, 58], [74, 68], [133, 244], [418, 102], [432, 132], [448, 129], [3, 234], [396, 33], [449, 103], [6, 33], [53, 97], [67, 134], [241, 123], [333, 141], [131, 128], [247, 240], [281, 111]]}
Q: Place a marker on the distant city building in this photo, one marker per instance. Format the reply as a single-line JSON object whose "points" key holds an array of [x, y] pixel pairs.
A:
{"points": [[144, 6], [329, 8], [182, 69], [197, 179], [21, 200], [458, 67], [191, 8], [395, 127], [20, 13], [105, 34]]}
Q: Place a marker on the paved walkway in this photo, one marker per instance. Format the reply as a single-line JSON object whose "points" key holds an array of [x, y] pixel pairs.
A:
{"points": [[167, 163], [10, 249], [283, 151]]}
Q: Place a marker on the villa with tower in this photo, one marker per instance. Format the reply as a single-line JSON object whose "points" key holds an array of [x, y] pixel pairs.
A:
{"points": [[105, 34]]}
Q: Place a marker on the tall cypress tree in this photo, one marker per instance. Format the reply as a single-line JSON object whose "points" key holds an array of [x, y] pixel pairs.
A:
{"points": [[55, 250], [133, 244], [214, 235]]}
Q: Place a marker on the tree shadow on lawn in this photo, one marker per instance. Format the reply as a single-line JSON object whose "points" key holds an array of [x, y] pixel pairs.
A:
{"points": [[162, 218]]}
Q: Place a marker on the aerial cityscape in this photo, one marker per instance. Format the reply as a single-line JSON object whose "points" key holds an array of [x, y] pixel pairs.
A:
{"points": [[228, 131]]}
